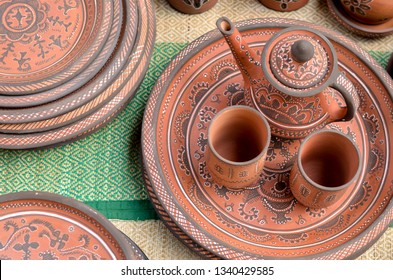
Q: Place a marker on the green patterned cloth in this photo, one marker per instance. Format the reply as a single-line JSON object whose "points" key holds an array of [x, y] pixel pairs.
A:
{"points": [[103, 169]]}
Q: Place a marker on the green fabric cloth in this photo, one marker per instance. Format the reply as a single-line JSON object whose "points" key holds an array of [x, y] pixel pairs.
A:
{"points": [[103, 169]]}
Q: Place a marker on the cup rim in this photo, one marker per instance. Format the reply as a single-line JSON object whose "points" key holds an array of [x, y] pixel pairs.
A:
{"points": [[242, 163], [319, 186]]}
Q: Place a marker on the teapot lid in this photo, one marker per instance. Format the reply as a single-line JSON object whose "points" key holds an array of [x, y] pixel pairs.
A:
{"points": [[299, 61]]}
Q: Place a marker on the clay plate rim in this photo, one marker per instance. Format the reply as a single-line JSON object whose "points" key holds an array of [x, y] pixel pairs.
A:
{"points": [[73, 203], [138, 253], [91, 123], [367, 30], [379, 224]]}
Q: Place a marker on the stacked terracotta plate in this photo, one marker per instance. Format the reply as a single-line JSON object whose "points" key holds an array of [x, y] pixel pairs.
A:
{"points": [[264, 221], [68, 67]]}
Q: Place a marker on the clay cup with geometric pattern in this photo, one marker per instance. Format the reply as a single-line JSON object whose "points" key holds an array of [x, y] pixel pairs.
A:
{"points": [[328, 163], [238, 139]]}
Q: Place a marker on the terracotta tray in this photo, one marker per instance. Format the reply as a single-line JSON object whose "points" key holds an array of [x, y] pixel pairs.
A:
{"points": [[45, 43], [121, 90], [366, 30], [265, 221], [46, 226], [87, 76]]}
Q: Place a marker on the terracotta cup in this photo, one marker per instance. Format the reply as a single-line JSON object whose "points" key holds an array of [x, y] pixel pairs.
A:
{"points": [[284, 6], [238, 139], [192, 6], [328, 163], [369, 12]]}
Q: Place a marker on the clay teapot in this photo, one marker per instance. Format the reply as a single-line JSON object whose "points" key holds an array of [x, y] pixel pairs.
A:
{"points": [[296, 85]]}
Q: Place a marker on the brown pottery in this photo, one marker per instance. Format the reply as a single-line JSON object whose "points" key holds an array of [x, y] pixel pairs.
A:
{"points": [[88, 109], [238, 139], [297, 85], [328, 163], [192, 6], [113, 26], [263, 221], [376, 30], [369, 11], [284, 5], [45, 43], [47, 226]]}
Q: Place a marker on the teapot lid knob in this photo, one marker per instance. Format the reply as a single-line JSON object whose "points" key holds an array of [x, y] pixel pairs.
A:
{"points": [[302, 51], [299, 61]]}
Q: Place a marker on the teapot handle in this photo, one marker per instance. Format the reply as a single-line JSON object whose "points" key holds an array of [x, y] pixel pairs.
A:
{"points": [[348, 91]]}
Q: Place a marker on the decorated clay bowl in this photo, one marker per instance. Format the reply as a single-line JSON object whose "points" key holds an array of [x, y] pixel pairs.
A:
{"points": [[369, 11]]}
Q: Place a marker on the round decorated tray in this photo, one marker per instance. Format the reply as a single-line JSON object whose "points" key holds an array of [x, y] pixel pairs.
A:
{"points": [[362, 29], [21, 102], [46, 226], [93, 115], [47, 42], [263, 221]]}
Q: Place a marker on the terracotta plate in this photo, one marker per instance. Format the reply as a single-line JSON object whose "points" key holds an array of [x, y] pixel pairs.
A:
{"points": [[367, 30], [73, 85], [123, 87], [87, 99], [46, 226], [94, 90], [263, 221], [47, 42]]}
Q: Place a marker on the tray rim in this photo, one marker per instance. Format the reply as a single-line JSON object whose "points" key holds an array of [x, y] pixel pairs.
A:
{"points": [[191, 50]]}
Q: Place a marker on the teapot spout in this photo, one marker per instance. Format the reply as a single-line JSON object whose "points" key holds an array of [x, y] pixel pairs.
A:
{"points": [[246, 58]]}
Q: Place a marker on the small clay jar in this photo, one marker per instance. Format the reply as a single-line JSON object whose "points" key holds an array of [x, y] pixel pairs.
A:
{"points": [[284, 5], [369, 12], [192, 6]]}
